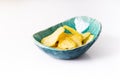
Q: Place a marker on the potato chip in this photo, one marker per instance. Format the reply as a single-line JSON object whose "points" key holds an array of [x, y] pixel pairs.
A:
{"points": [[53, 38], [66, 43]]}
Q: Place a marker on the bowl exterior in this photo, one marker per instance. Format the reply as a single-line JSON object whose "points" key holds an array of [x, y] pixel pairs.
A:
{"points": [[69, 54]]}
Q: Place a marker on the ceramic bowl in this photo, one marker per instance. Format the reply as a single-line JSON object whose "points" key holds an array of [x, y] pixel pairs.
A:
{"points": [[82, 24]]}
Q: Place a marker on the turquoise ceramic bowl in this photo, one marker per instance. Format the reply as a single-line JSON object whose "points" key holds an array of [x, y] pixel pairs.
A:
{"points": [[81, 24]]}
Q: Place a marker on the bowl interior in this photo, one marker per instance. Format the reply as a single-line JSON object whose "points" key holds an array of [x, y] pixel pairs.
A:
{"points": [[81, 24]]}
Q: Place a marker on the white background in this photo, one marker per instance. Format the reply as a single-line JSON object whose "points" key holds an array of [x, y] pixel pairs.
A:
{"points": [[20, 59]]}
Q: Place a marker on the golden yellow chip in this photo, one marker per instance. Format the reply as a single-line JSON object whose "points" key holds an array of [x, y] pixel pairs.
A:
{"points": [[66, 43], [53, 38], [86, 35], [73, 31], [77, 39], [90, 38]]}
